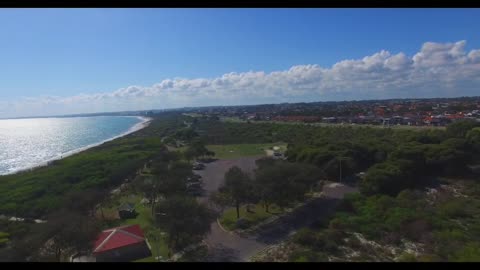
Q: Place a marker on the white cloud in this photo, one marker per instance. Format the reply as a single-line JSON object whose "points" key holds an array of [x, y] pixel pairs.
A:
{"points": [[438, 69]]}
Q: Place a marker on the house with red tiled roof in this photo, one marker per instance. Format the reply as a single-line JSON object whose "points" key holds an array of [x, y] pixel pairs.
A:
{"points": [[121, 244]]}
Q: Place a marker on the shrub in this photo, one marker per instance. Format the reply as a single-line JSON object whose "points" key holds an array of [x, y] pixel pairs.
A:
{"points": [[305, 237]]}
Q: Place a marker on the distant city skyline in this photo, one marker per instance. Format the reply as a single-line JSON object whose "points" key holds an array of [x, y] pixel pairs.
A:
{"points": [[73, 61]]}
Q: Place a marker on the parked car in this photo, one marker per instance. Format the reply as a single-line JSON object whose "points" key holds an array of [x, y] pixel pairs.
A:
{"points": [[194, 189], [194, 179], [198, 166], [194, 185], [195, 192]]}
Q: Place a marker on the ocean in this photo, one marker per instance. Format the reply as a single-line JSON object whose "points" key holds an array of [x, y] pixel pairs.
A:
{"points": [[27, 143]]}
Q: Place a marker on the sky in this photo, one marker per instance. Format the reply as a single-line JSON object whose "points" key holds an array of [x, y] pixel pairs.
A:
{"points": [[64, 61]]}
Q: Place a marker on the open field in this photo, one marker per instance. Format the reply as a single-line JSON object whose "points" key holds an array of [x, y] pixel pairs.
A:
{"points": [[229, 151]]}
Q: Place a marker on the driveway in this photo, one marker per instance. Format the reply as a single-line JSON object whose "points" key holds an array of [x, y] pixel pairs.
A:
{"points": [[229, 247]]}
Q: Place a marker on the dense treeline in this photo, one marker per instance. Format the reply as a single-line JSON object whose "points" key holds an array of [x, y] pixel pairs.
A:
{"points": [[393, 159]]}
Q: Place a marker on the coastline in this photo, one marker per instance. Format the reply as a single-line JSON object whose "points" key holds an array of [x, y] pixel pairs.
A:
{"points": [[145, 122]]}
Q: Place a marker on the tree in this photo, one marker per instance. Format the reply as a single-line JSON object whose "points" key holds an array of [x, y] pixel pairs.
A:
{"points": [[184, 220], [210, 154], [221, 199], [473, 138], [449, 157], [284, 183], [174, 183], [384, 178], [84, 201], [189, 154], [197, 149], [460, 128], [238, 186], [67, 231]]}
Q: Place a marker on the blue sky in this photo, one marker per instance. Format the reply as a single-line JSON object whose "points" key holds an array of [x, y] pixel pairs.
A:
{"points": [[48, 56]]}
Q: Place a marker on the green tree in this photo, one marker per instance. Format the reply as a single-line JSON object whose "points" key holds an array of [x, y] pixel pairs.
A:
{"points": [[459, 129], [184, 220], [238, 186], [70, 231], [473, 137], [220, 199], [197, 149], [284, 183]]}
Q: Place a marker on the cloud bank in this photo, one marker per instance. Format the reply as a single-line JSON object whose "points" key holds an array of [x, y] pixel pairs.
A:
{"points": [[436, 70]]}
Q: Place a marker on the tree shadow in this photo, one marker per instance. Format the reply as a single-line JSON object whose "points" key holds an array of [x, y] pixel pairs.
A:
{"points": [[319, 210], [221, 253]]}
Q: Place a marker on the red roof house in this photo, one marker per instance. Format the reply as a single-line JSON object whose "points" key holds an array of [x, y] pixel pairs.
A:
{"points": [[125, 243]]}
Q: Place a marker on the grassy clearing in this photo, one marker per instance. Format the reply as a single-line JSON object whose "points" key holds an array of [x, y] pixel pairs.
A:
{"points": [[144, 218], [258, 214], [243, 150]]}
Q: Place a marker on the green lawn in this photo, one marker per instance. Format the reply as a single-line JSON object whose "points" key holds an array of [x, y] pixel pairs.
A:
{"points": [[242, 150], [229, 217], [154, 236]]}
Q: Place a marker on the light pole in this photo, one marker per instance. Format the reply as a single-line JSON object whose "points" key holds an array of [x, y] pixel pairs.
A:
{"points": [[161, 237]]}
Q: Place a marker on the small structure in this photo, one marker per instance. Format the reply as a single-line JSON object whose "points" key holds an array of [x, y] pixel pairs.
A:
{"points": [[122, 244], [127, 210]]}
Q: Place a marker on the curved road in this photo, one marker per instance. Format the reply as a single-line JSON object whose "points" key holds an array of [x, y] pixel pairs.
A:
{"points": [[227, 246]]}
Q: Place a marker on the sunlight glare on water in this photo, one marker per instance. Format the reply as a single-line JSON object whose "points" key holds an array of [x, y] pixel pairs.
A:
{"points": [[25, 143]]}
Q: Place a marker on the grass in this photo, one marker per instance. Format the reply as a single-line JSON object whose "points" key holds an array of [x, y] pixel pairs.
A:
{"points": [[144, 218], [229, 217], [227, 151], [193, 114], [3, 238]]}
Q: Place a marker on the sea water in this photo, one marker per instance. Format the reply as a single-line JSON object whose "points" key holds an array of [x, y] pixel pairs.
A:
{"points": [[27, 143]]}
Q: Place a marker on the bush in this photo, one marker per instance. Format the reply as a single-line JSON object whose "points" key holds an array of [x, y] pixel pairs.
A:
{"points": [[407, 257], [307, 256], [305, 237], [454, 208]]}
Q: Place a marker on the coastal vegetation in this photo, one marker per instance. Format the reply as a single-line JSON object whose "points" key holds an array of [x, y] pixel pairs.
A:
{"points": [[394, 169], [417, 188], [68, 192]]}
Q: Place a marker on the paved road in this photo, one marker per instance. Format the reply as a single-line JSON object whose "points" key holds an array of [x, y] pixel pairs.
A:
{"points": [[226, 246], [214, 172], [316, 210]]}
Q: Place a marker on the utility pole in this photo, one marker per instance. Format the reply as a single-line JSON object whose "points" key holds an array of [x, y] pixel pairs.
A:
{"points": [[156, 245], [340, 160], [340, 180]]}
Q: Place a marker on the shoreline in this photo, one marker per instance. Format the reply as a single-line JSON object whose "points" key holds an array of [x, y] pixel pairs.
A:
{"points": [[145, 122]]}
